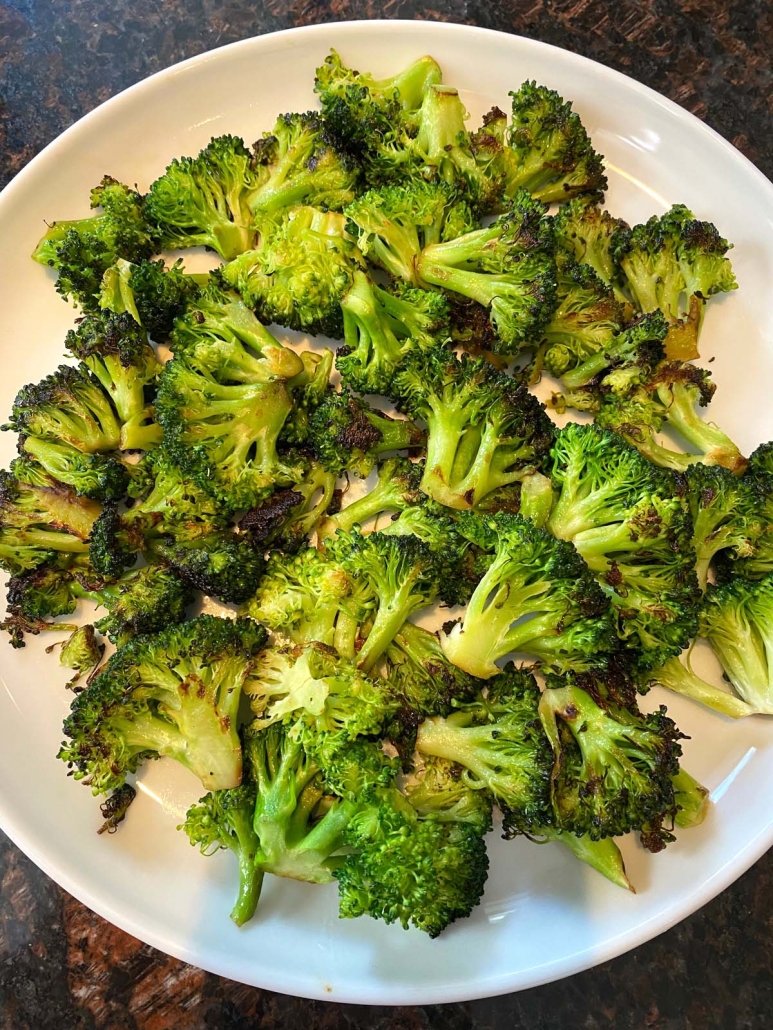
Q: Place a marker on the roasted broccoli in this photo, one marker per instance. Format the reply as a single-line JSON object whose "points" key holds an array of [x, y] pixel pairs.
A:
{"points": [[175, 693], [151, 293], [679, 676], [288, 517], [101, 477], [81, 251], [724, 514], [397, 487], [420, 674], [484, 429], [82, 652], [633, 354], [585, 230]]}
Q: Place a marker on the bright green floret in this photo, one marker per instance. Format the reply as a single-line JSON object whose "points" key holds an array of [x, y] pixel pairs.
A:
{"points": [[585, 230], [101, 477]]}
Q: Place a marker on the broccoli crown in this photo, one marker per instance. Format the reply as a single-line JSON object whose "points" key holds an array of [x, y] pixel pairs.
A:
{"points": [[724, 514], [501, 746], [613, 766], [348, 435], [397, 488], [410, 870], [69, 406], [761, 460], [205, 200], [100, 477], [312, 683], [145, 600], [755, 516], [299, 273], [306, 597], [175, 693], [40, 518], [737, 620], [441, 794], [302, 163], [485, 431], [393, 224], [223, 819], [633, 353], [81, 251], [630, 524], [548, 152], [81, 652], [508, 267], [220, 336], [400, 573], [151, 293], [586, 320], [382, 329], [367, 115], [531, 574], [422, 677], [224, 436], [585, 230], [672, 256]]}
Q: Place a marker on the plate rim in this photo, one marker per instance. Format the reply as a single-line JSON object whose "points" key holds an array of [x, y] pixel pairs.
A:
{"points": [[402, 995]]}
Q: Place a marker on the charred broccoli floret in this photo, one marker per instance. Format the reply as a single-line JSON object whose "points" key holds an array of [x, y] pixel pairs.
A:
{"points": [[485, 430], [441, 794], [288, 517], [82, 652], [81, 251], [348, 435], [145, 600], [101, 477], [205, 200], [382, 329], [151, 293], [531, 574], [175, 693], [420, 674], [585, 230], [613, 766], [633, 354]]}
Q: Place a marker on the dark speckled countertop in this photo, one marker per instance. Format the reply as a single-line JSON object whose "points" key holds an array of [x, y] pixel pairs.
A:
{"points": [[63, 967]]}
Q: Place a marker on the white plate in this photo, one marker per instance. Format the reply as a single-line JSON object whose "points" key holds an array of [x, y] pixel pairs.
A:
{"points": [[544, 915]]}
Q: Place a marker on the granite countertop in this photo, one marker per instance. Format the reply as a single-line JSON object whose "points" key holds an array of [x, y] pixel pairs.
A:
{"points": [[63, 967]]}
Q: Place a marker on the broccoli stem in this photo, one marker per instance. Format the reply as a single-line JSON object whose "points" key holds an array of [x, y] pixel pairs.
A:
{"points": [[51, 540], [386, 496], [536, 498], [115, 293], [602, 855], [361, 317], [345, 634], [140, 435], [716, 446], [692, 800], [675, 676], [478, 286]]}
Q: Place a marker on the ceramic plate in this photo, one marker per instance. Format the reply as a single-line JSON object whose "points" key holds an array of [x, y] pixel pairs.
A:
{"points": [[544, 915]]}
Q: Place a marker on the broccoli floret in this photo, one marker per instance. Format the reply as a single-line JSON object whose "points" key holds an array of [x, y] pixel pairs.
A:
{"points": [[224, 565], [82, 652], [220, 335], [397, 487], [638, 347], [630, 524], [586, 321], [484, 429], [724, 515], [145, 600], [288, 517], [301, 163], [400, 572], [116, 350], [311, 683], [307, 598], [585, 230], [613, 766], [508, 267], [151, 293], [348, 435], [531, 574], [761, 460], [40, 518], [68, 406], [671, 257], [678, 676], [754, 516], [175, 693], [382, 329], [420, 673], [299, 273], [223, 819], [441, 794], [392, 225], [410, 870], [101, 477], [498, 740], [737, 620], [369, 116], [224, 436], [547, 150], [205, 200], [81, 251]]}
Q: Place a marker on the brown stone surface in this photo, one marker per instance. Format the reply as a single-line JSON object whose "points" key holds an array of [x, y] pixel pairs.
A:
{"points": [[63, 967]]}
